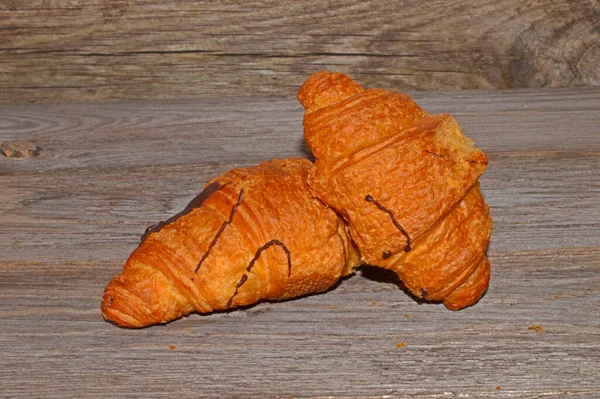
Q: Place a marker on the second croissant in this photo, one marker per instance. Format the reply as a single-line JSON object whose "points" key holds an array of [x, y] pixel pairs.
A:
{"points": [[405, 182]]}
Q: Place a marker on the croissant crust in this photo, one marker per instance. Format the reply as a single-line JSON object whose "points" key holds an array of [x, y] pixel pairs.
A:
{"points": [[406, 182], [391, 186], [257, 234]]}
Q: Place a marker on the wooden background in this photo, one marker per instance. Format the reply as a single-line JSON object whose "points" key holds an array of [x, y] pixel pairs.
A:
{"points": [[116, 113], [71, 215], [72, 50]]}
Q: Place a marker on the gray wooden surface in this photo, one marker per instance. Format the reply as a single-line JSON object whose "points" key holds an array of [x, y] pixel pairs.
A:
{"points": [[73, 50], [98, 174]]}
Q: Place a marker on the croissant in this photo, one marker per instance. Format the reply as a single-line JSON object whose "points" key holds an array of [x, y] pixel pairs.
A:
{"points": [[252, 234], [405, 181]]}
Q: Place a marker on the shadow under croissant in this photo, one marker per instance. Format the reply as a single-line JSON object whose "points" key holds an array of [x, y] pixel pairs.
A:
{"points": [[372, 273], [385, 276], [304, 151]]}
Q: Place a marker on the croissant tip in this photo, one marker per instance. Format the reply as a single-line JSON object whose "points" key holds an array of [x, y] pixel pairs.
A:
{"points": [[472, 290], [115, 316], [115, 305], [324, 88], [455, 305]]}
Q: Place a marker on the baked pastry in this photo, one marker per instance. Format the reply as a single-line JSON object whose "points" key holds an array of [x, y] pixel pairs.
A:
{"points": [[252, 234], [405, 182]]}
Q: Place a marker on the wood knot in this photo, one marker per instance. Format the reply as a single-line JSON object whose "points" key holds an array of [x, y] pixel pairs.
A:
{"points": [[19, 149]]}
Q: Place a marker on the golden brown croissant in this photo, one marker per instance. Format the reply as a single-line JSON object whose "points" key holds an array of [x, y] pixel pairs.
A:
{"points": [[406, 183], [252, 234]]}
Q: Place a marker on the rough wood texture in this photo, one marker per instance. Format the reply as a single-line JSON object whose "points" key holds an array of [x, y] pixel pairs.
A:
{"points": [[73, 213], [71, 50]]}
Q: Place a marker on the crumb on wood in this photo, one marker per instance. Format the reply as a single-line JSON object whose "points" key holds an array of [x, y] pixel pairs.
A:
{"points": [[406, 316], [400, 345], [172, 347], [373, 303], [537, 328], [19, 149], [497, 387]]}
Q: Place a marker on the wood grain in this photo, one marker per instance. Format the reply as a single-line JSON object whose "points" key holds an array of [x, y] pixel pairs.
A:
{"points": [[73, 50], [73, 213]]}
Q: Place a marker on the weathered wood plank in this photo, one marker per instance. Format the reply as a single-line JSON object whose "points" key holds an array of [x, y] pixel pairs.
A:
{"points": [[250, 130], [131, 164], [537, 203], [339, 344], [67, 50], [72, 214]]}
